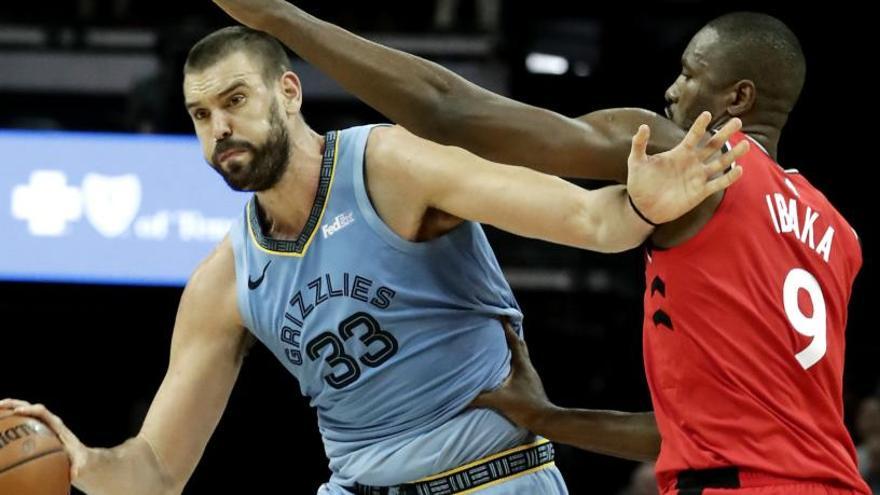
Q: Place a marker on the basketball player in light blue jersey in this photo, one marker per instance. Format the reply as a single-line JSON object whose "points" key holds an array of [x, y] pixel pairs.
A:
{"points": [[360, 264]]}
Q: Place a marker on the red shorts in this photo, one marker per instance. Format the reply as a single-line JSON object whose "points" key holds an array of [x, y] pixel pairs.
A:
{"points": [[750, 483], [797, 489]]}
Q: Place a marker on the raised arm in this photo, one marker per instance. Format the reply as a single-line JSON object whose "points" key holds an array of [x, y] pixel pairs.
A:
{"points": [[207, 351], [437, 104]]}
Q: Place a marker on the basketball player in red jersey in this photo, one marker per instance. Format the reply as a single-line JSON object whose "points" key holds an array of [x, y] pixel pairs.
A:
{"points": [[745, 306], [746, 300]]}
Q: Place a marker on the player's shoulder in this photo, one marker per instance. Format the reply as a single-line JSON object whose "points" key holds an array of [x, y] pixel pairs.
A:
{"points": [[213, 281], [387, 141], [392, 154], [803, 185], [218, 264], [208, 308], [820, 203]]}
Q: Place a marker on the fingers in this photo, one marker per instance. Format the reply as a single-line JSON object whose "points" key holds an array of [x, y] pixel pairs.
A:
{"points": [[518, 352], [12, 403], [40, 412], [730, 127], [491, 398], [480, 401], [729, 173], [518, 347], [510, 333], [7, 406], [724, 181], [720, 138], [724, 161], [639, 150], [697, 131]]}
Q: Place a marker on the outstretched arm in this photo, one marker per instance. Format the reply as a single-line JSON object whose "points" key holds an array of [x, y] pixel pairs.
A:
{"points": [[206, 354], [417, 175], [437, 104]]}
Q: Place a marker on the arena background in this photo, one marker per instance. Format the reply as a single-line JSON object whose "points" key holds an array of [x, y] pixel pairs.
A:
{"points": [[96, 353]]}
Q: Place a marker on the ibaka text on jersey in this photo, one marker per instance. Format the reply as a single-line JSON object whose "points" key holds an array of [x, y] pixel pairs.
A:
{"points": [[789, 216], [321, 290]]}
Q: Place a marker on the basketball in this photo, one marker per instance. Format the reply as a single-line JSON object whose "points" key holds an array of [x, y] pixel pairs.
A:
{"points": [[32, 458]]}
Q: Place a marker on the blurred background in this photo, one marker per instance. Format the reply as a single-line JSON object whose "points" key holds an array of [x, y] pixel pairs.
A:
{"points": [[91, 116]]}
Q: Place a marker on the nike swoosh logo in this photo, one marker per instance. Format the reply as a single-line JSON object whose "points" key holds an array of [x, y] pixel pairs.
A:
{"points": [[253, 284]]}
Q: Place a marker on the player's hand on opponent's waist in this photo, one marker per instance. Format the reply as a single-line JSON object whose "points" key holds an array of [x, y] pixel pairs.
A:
{"points": [[667, 185], [76, 451], [521, 398]]}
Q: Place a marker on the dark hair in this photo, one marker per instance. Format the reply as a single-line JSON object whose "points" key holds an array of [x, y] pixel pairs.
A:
{"points": [[763, 49], [224, 42]]}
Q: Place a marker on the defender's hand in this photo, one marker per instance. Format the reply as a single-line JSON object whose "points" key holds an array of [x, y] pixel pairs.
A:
{"points": [[667, 185], [521, 398]]}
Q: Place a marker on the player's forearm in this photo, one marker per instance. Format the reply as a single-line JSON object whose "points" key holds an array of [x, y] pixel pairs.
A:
{"points": [[626, 435], [609, 222], [437, 104], [407, 89], [131, 468], [614, 129]]}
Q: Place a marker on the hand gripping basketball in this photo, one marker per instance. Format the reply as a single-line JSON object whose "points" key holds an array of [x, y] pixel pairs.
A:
{"points": [[76, 451]]}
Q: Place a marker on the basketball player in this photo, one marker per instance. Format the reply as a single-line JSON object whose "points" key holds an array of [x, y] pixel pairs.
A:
{"points": [[352, 263], [746, 300]]}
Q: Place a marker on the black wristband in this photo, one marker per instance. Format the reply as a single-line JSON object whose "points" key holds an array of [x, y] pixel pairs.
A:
{"points": [[639, 213]]}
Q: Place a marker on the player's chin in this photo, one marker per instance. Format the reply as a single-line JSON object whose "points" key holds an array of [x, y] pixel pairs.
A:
{"points": [[240, 182], [680, 119]]}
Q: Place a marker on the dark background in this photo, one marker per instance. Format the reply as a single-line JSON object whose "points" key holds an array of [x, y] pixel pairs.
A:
{"points": [[96, 354]]}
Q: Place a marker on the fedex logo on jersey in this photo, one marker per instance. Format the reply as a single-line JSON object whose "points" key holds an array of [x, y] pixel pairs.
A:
{"points": [[339, 222]]}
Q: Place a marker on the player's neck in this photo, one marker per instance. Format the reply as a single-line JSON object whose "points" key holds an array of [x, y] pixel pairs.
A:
{"points": [[766, 135], [764, 124], [287, 205]]}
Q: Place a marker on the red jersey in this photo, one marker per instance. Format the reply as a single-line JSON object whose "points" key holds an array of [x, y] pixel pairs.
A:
{"points": [[744, 333]]}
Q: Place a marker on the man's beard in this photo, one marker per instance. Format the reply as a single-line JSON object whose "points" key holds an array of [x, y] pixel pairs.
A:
{"points": [[268, 162]]}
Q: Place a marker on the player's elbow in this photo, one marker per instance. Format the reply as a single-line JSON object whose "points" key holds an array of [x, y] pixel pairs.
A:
{"points": [[455, 110], [650, 446], [162, 479], [653, 451], [645, 425]]}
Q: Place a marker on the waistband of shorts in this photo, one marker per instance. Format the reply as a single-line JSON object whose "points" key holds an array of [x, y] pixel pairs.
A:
{"points": [[474, 476]]}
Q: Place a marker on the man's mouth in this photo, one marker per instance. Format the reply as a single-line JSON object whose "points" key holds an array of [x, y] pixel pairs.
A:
{"points": [[229, 154]]}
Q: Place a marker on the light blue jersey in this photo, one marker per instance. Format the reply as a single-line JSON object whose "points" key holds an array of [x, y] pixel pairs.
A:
{"points": [[388, 338]]}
